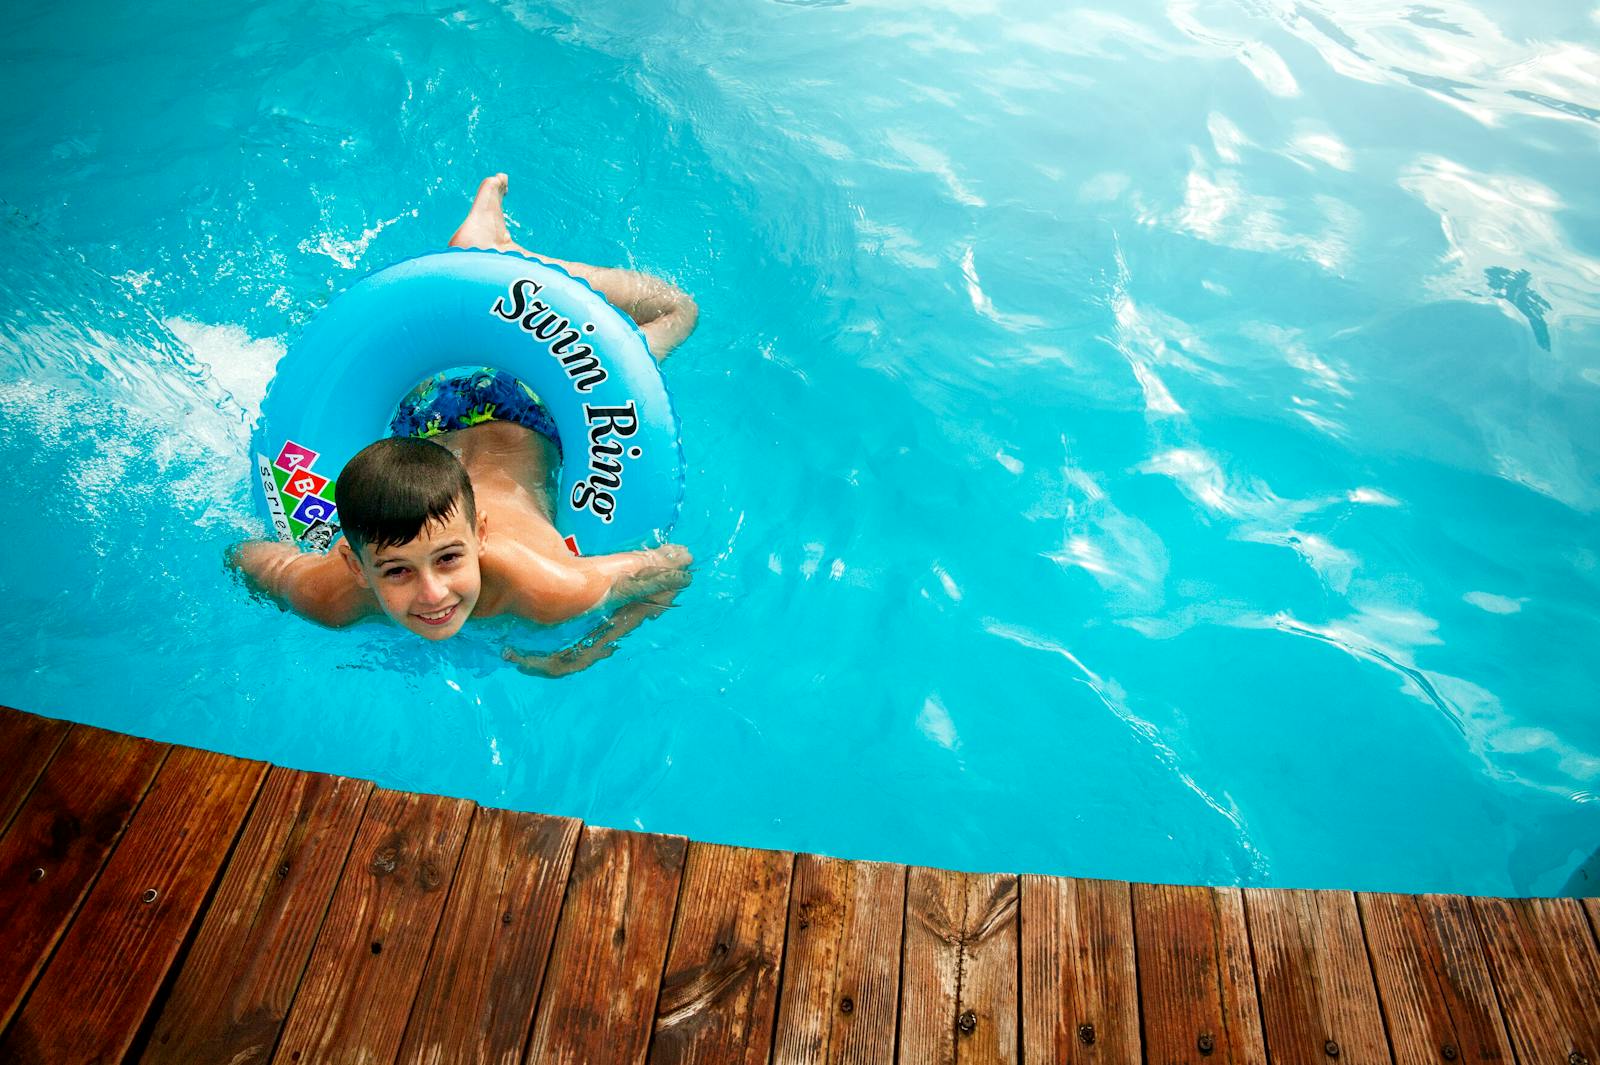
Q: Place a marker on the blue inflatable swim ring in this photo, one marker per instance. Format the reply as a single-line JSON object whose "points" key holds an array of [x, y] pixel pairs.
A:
{"points": [[337, 389]]}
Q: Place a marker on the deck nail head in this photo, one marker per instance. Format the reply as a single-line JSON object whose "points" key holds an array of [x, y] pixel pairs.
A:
{"points": [[283, 870], [1206, 1043], [505, 918], [1086, 1034], [1448, 1051], [967, 1022], [36, 876], [847, 1005], [1331, 1048], [150, 896], [1577, 1058]]}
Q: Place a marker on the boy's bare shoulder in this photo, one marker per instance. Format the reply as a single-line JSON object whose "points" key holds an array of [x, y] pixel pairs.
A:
{"points": [[528, 583], [318, 587]]}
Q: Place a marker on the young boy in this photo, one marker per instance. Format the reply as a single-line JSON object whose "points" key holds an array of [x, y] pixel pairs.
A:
{"points": [[459, 525]]}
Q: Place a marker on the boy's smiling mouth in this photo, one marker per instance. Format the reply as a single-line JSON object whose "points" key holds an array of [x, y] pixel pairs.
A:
{"points": [[438, 617]]}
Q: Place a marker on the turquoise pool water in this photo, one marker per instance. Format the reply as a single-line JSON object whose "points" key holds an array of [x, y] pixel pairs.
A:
{"points": [[1157, 441]]}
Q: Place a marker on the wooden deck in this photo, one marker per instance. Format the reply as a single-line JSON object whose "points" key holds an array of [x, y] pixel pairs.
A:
{"points": [[162, 904]]}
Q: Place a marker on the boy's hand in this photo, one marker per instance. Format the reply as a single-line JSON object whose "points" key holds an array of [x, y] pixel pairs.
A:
{"points": [[559, 664]]}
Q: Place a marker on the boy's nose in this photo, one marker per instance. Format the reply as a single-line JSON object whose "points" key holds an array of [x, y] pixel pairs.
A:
{"points": [[431, 589]]}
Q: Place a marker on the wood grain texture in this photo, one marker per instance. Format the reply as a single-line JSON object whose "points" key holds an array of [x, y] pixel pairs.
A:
{"points": [[1080, 997], [357, 990], [1542, 957], [719, 993], [1433, 980], [483, 978], [1196, 984], [611, 944], [841, 970], [111, 963], [240, 976], [958, 976], [59, 841], [27, 743], [1318, 999]]}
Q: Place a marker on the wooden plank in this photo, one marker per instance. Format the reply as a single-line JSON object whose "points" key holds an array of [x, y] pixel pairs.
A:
{"points": [[1318, 999], [1197, 991], [112, 961], [1433, 980], [1080, 993], [959, 971], [605, 968], [1593, 907], [363, 974], [720, 992], [239, 977], [1542, 957], [483, 978], [58, 842], [841, 971], [27, 743]]}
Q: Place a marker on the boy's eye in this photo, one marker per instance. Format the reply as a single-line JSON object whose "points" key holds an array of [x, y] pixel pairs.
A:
{"points": [[398, 571], [450, 559]]}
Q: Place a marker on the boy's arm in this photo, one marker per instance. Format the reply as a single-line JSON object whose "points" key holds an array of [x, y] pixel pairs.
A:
{"points": [[319, 587], [664, 313], [601, 642], [554, 592]]}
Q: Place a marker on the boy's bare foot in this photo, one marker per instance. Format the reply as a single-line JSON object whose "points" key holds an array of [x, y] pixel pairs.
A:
{"points": [[485, 224]]}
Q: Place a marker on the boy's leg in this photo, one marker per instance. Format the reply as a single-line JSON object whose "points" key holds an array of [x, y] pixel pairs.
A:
{"points": [[485, 224], [665, 314]]}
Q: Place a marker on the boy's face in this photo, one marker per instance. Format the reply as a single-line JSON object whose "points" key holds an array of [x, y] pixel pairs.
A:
{"points": [[430, 584]]}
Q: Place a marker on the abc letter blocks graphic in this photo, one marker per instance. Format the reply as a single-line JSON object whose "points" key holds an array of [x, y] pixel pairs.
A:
{"points": [[307, 496]]}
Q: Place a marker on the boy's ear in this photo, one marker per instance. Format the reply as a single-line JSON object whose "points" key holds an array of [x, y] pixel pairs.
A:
{"points": [[350, 560], [483, 528]]}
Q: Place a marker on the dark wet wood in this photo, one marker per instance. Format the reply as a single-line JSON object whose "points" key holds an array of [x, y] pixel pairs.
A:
{"points": [[605, 968], [1080, 1001], [841, 970], [59, 841], [488, 961], [115, 956], [27, 743], [358, 925], [356, 994], [958, 977], [1318, 999], [1433, 980], [1197, 990], [720, 990], [241, 974], [1543, 959]]}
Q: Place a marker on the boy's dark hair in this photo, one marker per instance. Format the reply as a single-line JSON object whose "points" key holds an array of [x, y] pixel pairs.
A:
{"points": [[397, 487]]}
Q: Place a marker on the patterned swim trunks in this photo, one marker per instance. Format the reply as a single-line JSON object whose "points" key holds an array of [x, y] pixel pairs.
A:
{"points": [[455, 400]]}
